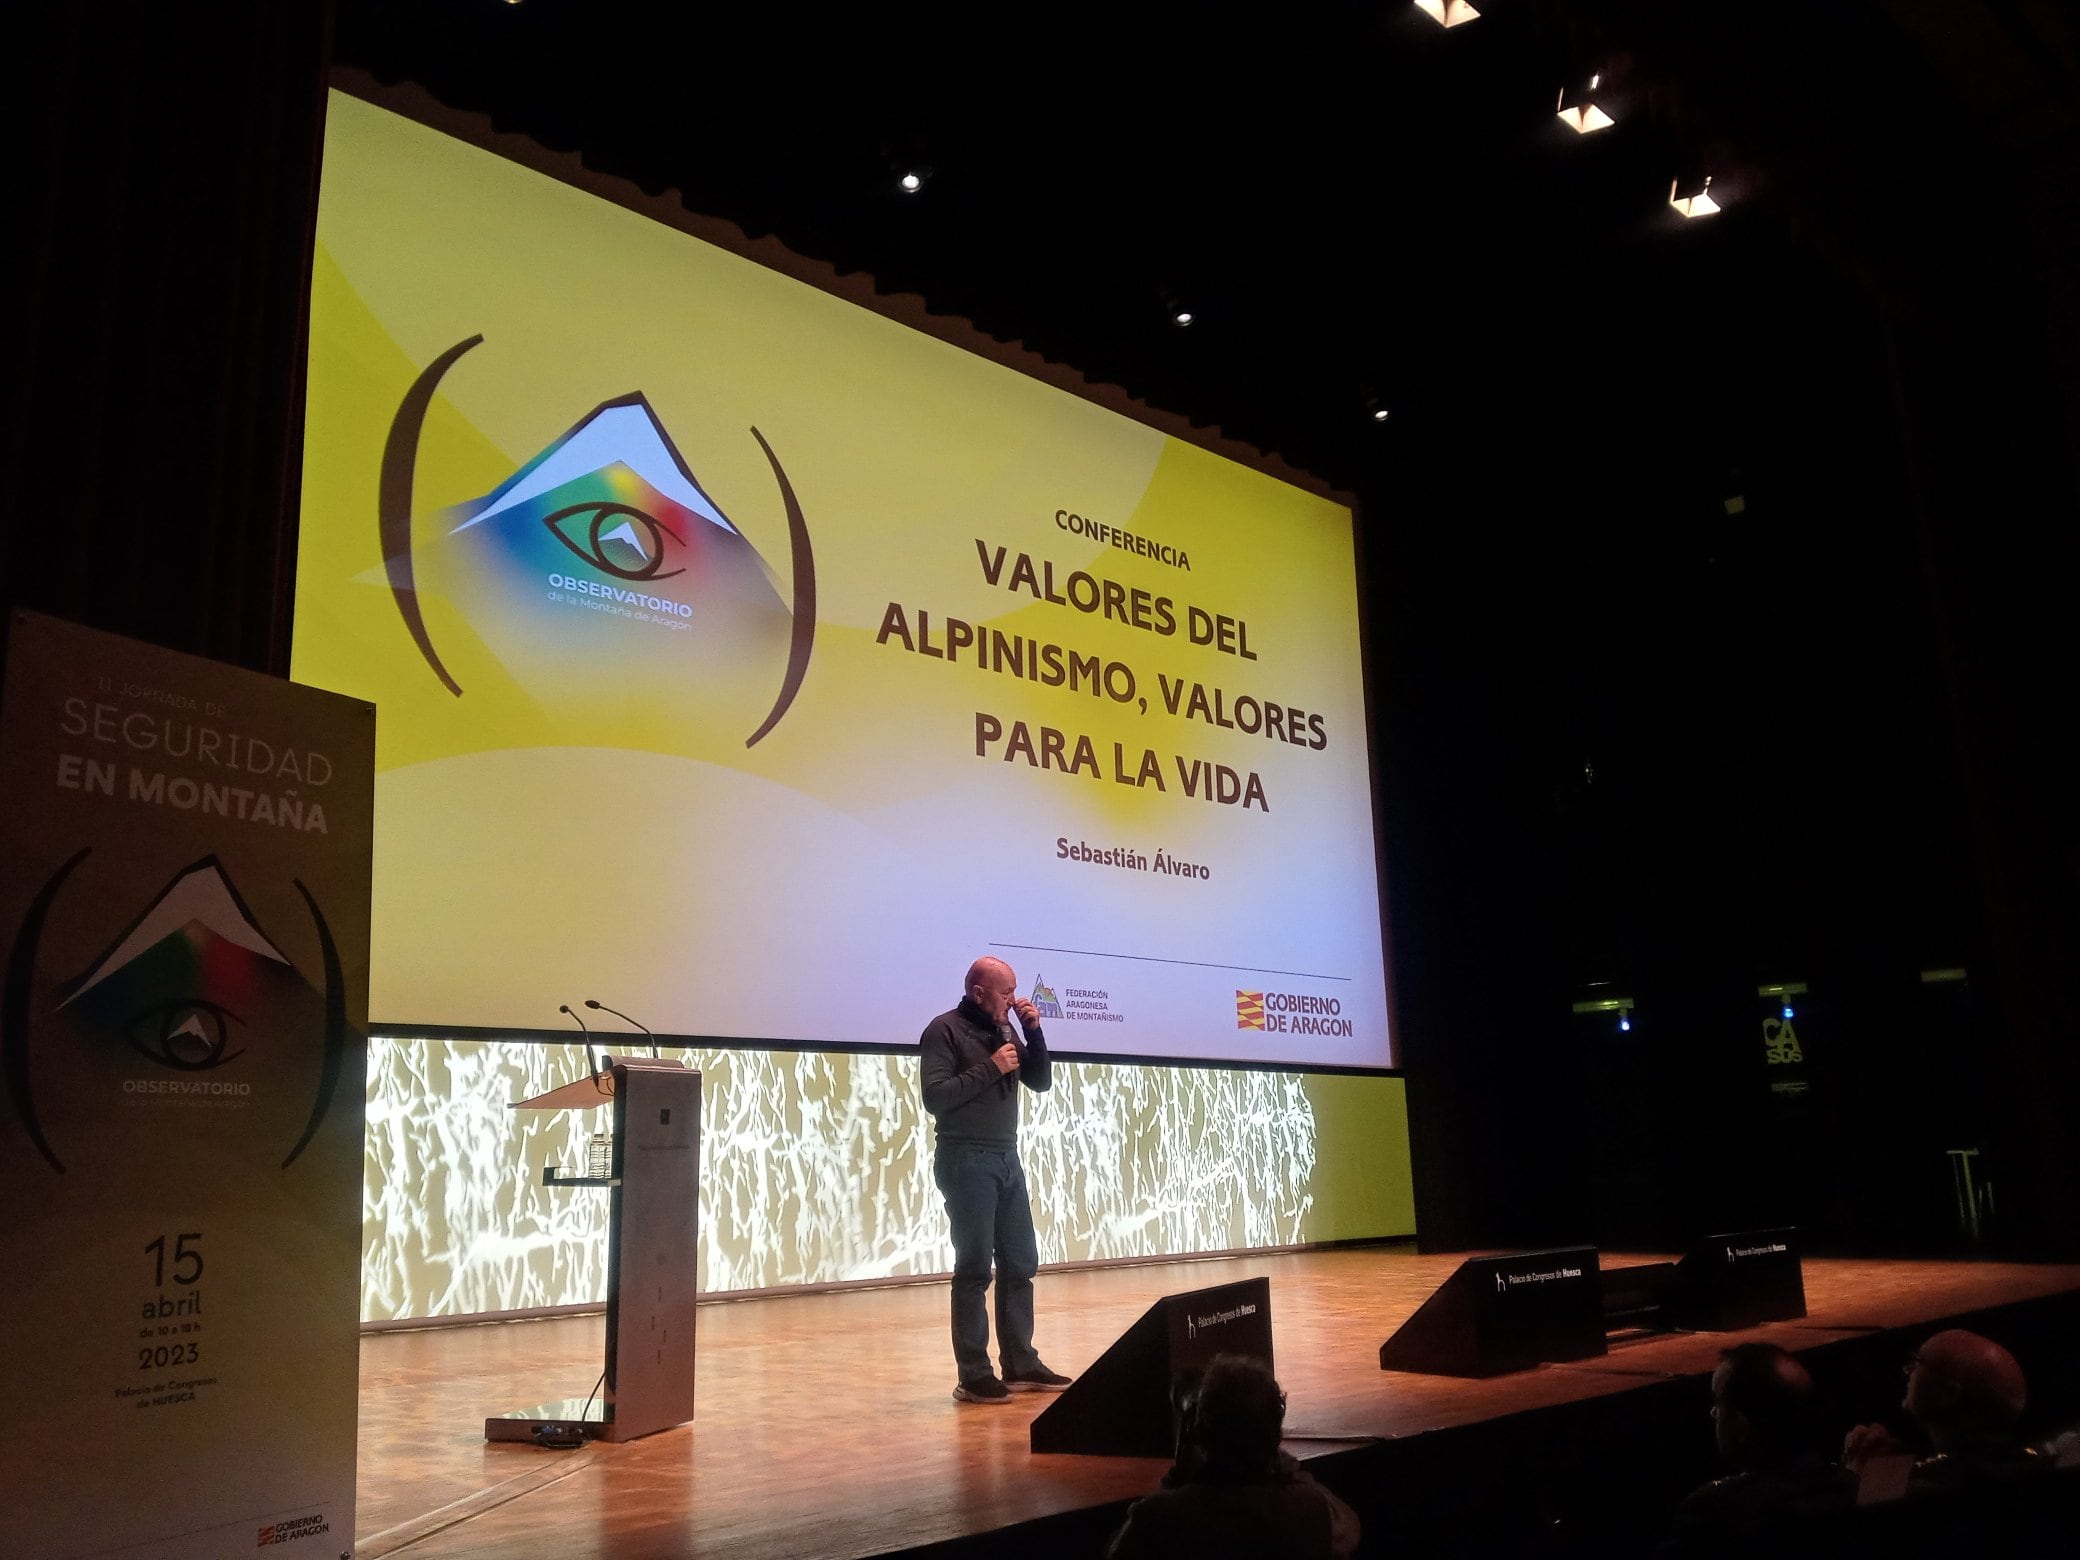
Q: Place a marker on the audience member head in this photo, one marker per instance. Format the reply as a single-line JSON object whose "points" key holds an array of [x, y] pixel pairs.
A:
{"points": [[1236, 1417], [1762, 1405], [1963, 1388]]}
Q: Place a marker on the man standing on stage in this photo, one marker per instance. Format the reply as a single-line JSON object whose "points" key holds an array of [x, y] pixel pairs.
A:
{"points": [[974, 1062]]}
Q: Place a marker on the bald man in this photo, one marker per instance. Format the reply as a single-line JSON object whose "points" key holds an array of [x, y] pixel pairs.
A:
{"points": [[974, 1065], [1968, 1394]]}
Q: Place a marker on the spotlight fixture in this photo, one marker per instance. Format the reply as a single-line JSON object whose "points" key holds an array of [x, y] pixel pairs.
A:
{"points": [[1380, 414], [1580, 111], [1693, 199], [907, 162], [1622, 1006], [1781, 993], [1182, 317], [1448, 13]]}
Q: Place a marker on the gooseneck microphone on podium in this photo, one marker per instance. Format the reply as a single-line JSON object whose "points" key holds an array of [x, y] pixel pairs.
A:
{"points": [[603, 1008], [591, 1061]]}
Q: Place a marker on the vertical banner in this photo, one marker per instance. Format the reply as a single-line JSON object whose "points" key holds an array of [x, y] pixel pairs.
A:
{"points": [[184, 902]]}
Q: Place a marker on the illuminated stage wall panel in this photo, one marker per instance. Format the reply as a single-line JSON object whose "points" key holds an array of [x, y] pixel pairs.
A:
{"points": [[816, 1168]]}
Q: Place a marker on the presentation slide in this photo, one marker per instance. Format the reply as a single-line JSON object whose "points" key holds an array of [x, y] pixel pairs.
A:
{"points": [[750, 662]]}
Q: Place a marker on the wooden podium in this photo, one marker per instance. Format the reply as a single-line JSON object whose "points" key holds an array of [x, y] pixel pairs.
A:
{"points": [[653, 1242]]}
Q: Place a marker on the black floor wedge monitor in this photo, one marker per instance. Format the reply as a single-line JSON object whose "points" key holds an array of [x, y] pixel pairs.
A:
{"points": [[1122, 1405], [1728, 1282], [1501, 1314]]}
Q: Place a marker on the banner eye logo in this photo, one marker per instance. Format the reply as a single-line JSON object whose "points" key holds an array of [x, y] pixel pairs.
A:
{"points": [[187, 1035], [616, 538]]}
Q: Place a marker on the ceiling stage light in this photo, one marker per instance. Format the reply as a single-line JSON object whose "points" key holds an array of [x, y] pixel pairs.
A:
{"points": [[1580, 111], [911, 183], [1448, 13], [1695, 201]]}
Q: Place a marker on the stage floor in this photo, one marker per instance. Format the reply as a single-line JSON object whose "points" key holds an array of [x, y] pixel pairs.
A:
{"points": [[825, 1426]]}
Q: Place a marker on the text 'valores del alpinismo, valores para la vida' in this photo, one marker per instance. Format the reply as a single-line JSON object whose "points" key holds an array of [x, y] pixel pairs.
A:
{"points": [[1049, 663]]}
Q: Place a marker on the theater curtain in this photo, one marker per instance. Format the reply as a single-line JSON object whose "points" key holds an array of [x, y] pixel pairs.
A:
{"points": [[165, 161]]}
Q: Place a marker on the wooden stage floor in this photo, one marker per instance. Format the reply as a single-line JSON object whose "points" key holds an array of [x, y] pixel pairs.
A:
{"points": [[825, 1426]]}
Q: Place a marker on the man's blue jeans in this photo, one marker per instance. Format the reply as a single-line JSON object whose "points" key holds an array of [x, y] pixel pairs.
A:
{"points": [[985, 1191]]}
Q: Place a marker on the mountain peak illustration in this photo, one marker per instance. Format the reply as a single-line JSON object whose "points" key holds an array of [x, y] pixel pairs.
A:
{"points": [[201, 897], [189, 1028], [623, 433], [625, 534]]}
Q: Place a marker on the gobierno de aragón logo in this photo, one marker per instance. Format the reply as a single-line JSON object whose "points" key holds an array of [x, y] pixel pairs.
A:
{"points": [[1291, 1012]]}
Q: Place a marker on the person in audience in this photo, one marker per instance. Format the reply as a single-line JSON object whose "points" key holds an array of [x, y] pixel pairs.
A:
{"points": [[1967, 1395], [1762, 1418], [1233, 1494]]}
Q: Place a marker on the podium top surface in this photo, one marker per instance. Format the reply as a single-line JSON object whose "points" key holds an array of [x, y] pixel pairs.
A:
{"points": [[593, 1089], [596, 1088]]}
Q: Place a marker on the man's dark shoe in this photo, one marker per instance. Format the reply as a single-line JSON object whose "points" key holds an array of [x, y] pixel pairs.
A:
{"points": [[1038, 1379], [983, 1389]]}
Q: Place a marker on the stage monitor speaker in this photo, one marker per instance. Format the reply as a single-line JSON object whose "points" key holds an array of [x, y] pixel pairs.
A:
{"points": [[1499, 1314], [1122, 1405], [1728, 1282]]}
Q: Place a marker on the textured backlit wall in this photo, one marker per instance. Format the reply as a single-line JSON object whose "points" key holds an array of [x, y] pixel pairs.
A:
{"points": [[816, 1166]]}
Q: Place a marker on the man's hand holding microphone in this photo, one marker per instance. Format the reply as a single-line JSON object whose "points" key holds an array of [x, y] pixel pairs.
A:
{"points": [[1006, 1055]]}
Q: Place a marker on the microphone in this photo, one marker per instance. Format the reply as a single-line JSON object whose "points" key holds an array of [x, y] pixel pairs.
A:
{"points": [[1010, 1033], [590, 1060], [603, 1008]]}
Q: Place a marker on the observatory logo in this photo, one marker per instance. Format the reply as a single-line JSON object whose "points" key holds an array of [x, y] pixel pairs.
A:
{"points": [[190, 1007], [596, 554], [610, 515]]}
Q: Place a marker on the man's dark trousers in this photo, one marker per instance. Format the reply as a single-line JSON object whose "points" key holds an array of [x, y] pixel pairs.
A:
{"points": [[985, 1190]]}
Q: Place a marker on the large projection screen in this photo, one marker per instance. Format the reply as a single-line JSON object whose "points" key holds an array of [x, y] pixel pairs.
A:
{"points": [[750, 662]]}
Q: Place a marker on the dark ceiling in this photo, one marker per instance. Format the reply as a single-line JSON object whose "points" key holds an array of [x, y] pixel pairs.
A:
{"points": [[1358, 206]]}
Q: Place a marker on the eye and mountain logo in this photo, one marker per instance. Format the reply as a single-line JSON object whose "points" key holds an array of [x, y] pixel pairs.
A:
{"points": [[608, 525], [190, 987]]}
